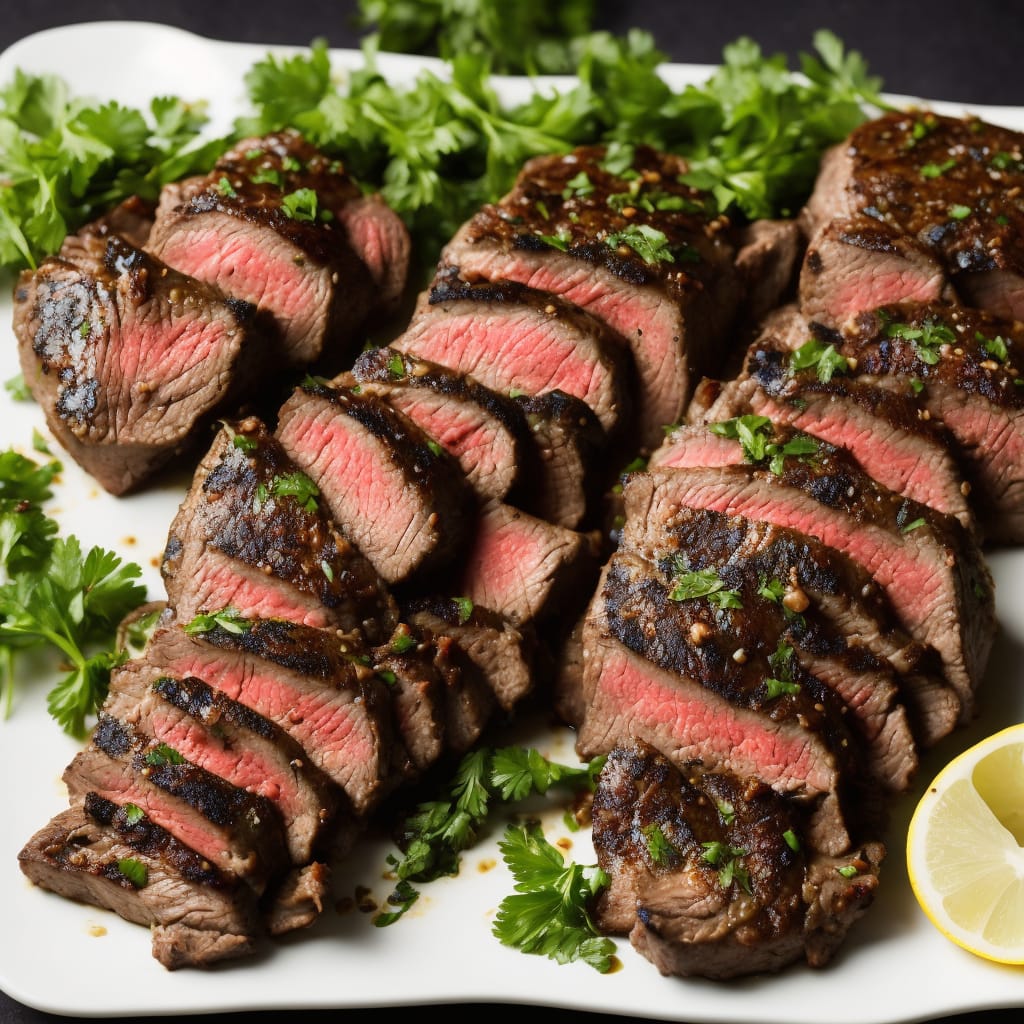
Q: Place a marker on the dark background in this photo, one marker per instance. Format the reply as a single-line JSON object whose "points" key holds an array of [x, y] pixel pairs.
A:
{"points": [[964, 51]]}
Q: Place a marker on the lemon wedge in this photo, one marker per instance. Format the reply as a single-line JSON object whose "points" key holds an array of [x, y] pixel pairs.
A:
{"points": [[964, 854]]}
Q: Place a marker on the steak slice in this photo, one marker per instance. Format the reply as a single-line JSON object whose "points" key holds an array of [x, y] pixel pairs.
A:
{"points": [[929, 565], [528, 570], [691, 700], [812, 389], [198, 915], [252, 534], [280, 251], [709, 877], [129, 359], [574, 458], [949, 183], [754, 623], [963, 368], [287, 161], [231, 741], [514, 338], [480, 427], [403, 500], [767, 261], [615, 233], [826, 594], [502, 653], [238, 831], [304, 681], [859, 263]]}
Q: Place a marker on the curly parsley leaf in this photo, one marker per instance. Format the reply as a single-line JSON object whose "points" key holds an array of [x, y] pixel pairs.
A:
{"points": [[548, 915]]}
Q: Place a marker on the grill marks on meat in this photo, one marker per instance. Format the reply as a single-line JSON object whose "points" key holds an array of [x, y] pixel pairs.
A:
{"points": [[931, 568], [197, 914], [404, 500], [129, 359], [943, 185], [709, 876], [303, 680], [252, 535], [962, 367], [882, 428], [565, 228], [518, 339]]}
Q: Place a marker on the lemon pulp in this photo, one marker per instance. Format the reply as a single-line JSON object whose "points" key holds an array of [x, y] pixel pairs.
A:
{"points": [[964, 854]]}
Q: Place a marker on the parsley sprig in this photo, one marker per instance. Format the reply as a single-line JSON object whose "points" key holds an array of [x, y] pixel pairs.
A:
{"points": [[433, 837], [55, 596], [755, 435], [548, 913]]}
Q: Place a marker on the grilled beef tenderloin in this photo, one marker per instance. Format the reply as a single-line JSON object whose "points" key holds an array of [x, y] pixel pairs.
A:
{"points": [[814, 389], [830, 593], [709, 876], [130, 360], [307, 682], [514, 338], [928, 563], [946, 184], [252, 534], [616, 233], [403, 499], [480, 427], [106, 855], [238, 831]]}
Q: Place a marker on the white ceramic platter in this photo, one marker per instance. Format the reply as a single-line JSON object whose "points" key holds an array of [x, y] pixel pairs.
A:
{"points": [[61, 957]]}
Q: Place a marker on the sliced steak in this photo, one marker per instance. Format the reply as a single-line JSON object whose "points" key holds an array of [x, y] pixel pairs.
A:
{"points": [[812, 389], [527, 569], [129, 359], [754, 624], [617, 234], [282, 252], [962, 367], [947, 183], [826, 593], [287, 161], [303, 680], [238, 831], [709, 877], [767, 261], [574, 456], [231, 741], [480, 427], [929, 565], [514, 338], [503, 654], [403, 500], [252, 534], [859, 263], [109, 856]]}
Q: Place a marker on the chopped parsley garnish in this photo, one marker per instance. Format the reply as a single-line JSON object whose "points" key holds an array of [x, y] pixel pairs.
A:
{"points": [[396, 366], [959, 212], [772, 589], [578, 186], [268, 176], [402, 641], [302, 205], [559, 241], [227, 619], [726, 858], [134, 871], [245, 443], [848, 871], [688, 584], [995, 347], [225, 188], [782, 665], [824, 358], [650, 244], [926, 339], [619, 158], [162, 755], [659, 846], [937, 170], [464, 607], [914, 524], [726, 811], [298, 486], [17, 388], [754, 434], [133, 814], [791, 840]]}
